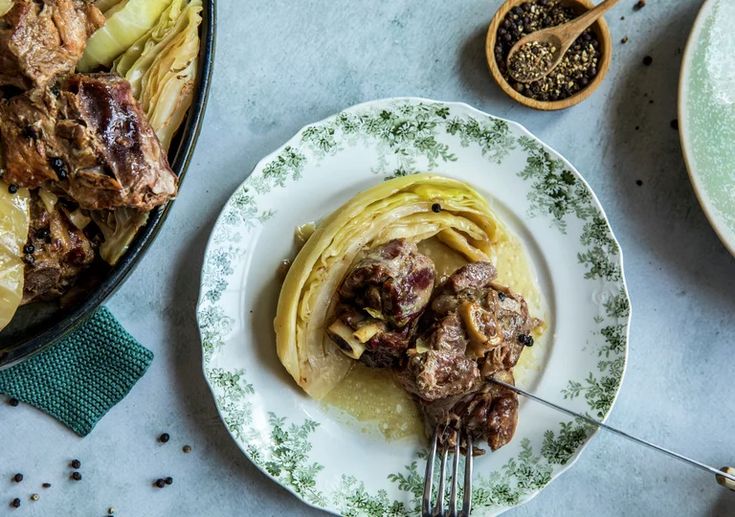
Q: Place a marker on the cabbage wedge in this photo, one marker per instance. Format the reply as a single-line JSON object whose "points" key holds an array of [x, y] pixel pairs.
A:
{"points": [[167, 88], [137, 59], [15, 218], [161, 67], [119, 227], [5, 7], [125, 23], [106, 5], [413, 207]]}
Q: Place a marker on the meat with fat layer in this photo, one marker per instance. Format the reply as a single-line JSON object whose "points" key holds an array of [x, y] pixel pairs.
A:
{"points": [[41, 40], [60, 253], [90, 140]]}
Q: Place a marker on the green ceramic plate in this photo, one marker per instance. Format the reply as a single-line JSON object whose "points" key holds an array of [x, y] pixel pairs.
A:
{"points": [[707, 114]]}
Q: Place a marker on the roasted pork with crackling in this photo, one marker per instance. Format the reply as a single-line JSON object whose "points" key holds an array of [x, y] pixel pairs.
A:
{"points": [[41, 40], [89, 140]]}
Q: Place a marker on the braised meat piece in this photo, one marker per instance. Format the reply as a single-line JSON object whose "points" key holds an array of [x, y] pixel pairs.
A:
{"points": [[57, 253], [380, 302], [512, 329], [467, 283], [446, 335], [476, 275], [387, 348], [41, 40], [368, 339], [473, 330], [91, 141], [496, 321], [489, 413], [395, 280], [438, 367], [27, 138], [437, 374], [125, 164]]}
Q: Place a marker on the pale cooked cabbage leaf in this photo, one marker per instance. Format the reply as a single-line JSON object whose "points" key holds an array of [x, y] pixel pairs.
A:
{"points": [[137, 59], [161, 67], [78, 218], [15, 216], [403, 207], [119, 228], [5, 6], [49, 199], [126, 22], [167, 87], [106, 5]]}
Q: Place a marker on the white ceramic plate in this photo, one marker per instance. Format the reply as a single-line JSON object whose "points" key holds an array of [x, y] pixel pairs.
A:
{"points": [[324, 459], [707, 114]]}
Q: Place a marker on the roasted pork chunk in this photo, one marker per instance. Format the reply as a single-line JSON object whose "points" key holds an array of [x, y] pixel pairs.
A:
{"points": [[57, 252], [90, 140], [41, 40]]}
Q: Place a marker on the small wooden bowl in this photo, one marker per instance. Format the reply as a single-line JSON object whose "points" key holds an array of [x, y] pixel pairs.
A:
{"points": [[603, 35]]}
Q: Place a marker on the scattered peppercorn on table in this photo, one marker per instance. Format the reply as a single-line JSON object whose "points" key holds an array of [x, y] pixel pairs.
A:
{"points": [[282, 64]]}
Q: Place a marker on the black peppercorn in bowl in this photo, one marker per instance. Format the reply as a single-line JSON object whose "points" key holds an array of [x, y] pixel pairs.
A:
{"points": [[37, 325], [583, 67]]}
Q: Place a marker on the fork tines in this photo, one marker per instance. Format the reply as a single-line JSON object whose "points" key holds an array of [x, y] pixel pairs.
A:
{"points": [[438, 510]]}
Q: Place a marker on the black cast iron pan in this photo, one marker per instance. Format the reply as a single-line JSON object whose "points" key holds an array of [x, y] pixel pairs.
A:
{"points": [[38, 325]]}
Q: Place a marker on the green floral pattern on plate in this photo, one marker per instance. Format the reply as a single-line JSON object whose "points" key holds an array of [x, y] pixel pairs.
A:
{"points": [[404, 133]]}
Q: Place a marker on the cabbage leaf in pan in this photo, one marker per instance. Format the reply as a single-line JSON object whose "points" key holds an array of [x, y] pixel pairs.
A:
{"points": [[15, 217], [125, 22]]}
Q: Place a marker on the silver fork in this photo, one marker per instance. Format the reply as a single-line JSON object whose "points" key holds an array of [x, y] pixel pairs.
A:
{"points": [[438, 509]]}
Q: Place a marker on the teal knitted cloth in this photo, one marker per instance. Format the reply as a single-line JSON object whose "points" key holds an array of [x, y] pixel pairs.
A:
{"points": [[80, 378]]}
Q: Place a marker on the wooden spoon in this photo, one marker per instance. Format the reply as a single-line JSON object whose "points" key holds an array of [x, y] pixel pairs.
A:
{"points": [[560, 38]]}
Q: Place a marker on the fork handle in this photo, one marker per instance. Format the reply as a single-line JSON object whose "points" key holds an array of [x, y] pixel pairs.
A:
{"points": [[727, 483]]}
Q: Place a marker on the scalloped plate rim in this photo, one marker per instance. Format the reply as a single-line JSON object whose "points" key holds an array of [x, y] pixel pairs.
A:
{"points": [[413, 99]]}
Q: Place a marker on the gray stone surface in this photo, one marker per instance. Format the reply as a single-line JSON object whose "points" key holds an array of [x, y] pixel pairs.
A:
{"points": [[282, 64]]}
